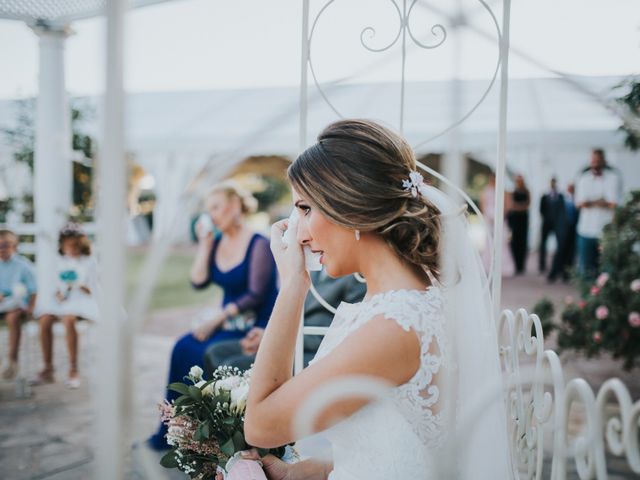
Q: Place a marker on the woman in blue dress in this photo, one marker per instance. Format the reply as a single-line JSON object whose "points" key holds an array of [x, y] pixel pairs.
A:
{"points": [[238, 260]]}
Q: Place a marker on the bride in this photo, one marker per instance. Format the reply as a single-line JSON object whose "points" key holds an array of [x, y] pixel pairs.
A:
{"points": [[424, 326]]}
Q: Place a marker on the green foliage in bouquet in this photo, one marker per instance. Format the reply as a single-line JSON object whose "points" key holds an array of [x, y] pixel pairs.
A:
{"points": [[607, 318], [206, 423]]}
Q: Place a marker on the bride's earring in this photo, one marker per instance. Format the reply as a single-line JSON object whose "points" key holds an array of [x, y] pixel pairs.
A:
{"points": [[358, 235]]}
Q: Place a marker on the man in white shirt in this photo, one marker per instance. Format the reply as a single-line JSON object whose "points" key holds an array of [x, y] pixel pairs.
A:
{"points": [[597, 193]]}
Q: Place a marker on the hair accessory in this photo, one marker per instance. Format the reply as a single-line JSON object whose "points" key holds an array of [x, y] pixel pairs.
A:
{"points": [[71, 229], [358, 235], [415, 184]]}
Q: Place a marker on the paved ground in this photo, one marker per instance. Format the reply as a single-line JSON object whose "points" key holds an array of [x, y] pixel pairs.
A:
{"points": [[48, 435]]}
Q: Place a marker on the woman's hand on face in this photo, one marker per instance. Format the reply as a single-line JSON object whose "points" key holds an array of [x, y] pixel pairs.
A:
{"points": [[289, 257], [204, 234]]}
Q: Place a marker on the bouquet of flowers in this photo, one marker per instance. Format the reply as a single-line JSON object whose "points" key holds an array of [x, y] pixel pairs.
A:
{"points": [[68, 276], [206, 427]]}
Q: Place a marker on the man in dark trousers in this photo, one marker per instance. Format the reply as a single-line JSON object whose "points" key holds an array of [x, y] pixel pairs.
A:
{"points": [[242, 353], [552, 213], [565, 256]]}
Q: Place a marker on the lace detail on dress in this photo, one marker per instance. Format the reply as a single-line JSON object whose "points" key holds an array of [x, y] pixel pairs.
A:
{"points": [[421, 311]]}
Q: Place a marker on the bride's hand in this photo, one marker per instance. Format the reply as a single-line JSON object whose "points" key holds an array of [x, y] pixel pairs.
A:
{"points": [[289, 258], [276, 469]]}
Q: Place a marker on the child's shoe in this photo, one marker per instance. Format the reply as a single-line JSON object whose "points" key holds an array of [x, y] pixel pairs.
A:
{"points": [[73, 382], [44, 377], [11, 371]]}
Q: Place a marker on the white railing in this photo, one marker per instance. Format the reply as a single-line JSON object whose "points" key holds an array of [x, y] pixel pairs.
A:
{"points": [[540, 404], [29, 248], [550, 418]]}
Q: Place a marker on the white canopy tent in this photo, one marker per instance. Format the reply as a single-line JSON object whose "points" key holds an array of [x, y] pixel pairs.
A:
{"points": [[552, 127], [165, 134], [547, 119]]}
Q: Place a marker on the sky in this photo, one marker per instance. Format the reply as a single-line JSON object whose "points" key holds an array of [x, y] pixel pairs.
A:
{"points": [[208, 44]]}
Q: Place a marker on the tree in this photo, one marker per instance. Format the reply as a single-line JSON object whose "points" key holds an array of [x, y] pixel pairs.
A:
{"points": [[21, 137], [631, 103]]}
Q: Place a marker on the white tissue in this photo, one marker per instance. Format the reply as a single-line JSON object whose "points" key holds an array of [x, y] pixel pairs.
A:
{"points": [[204, 224], [311, 259]]}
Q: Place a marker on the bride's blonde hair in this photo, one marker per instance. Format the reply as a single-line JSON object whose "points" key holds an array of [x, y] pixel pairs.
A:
{"points": [[354, 176]]}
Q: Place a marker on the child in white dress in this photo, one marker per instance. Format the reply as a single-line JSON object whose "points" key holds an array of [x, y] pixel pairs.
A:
{"points": [[73, 301]]}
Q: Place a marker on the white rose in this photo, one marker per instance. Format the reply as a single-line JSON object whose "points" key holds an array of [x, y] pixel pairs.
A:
{"points": [[196, 372], [239, 397], [208, 390], [228, 383]]}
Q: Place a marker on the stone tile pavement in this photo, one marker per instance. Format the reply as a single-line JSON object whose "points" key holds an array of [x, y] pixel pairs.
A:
{"points": [[49, 434]]}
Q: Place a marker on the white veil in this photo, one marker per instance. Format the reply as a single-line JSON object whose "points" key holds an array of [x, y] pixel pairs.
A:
{"points": [[478, 446]]}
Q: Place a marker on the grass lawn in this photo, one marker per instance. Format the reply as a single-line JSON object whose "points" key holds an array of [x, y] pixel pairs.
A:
{"points": [[172, 288]]}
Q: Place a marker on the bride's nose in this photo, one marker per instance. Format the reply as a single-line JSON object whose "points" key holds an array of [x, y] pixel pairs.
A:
{"points": [[303, 237]]}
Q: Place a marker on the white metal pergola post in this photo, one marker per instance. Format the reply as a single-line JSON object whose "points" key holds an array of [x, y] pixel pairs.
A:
{"points": [[454, 165], [302, 132], [52, 159], [501, 161], [113, 392]]}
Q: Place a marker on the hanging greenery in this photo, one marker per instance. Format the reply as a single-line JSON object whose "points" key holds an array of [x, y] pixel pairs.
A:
{"points": [[631, 102], [21, 138]]}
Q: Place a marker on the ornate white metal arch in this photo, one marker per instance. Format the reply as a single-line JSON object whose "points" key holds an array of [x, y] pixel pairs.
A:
{"points": [[540, 402], [538, 397], [404, 29]]}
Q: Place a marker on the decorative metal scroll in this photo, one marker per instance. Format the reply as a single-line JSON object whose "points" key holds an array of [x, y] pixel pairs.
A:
{"points": [[540, 404], [408, 39]]}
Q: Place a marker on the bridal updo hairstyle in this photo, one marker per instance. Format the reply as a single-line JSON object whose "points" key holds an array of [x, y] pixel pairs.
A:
{"points": [[354, 175]]}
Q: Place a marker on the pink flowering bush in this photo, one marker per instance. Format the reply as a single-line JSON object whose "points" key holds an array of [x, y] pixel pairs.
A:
{"points": [[607, 317], [602, 312]]}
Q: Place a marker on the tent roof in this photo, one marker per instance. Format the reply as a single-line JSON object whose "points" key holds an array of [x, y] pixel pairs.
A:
{"points": [[220, 120], [264, 121]]}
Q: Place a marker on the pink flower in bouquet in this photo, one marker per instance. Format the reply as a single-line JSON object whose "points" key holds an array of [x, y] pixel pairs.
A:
{"points": [[597, 337], [167, 411], [634, 319], [635, 285], [602, 312], [582, 304], [245, 469], [206, 427], [595, 290], [602, 279]]}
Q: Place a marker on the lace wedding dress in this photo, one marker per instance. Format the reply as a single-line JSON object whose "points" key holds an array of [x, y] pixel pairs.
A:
{"points": [[398, 438]]}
